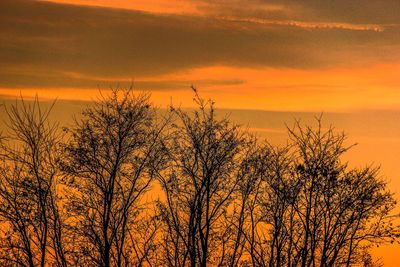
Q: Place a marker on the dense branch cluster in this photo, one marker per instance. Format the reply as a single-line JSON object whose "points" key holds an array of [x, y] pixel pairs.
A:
{"points": [[127, 186]]}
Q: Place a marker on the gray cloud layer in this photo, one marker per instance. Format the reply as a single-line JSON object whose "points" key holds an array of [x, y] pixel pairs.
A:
{"points": [[42, 43], [346, 11]]}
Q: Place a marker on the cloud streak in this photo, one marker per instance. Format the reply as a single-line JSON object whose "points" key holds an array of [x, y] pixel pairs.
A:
{"points": [[51, 40]]}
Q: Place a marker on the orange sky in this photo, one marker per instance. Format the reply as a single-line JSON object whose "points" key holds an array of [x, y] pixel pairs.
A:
{"points": [[159, 6], [255, 54], [281, 55], [336, 89]]}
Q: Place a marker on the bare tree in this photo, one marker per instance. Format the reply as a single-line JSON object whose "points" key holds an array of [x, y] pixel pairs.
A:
{"points": [[199, 186], [109, 164], [226, 199], [29, 206], [314, 210], [270, 218]]}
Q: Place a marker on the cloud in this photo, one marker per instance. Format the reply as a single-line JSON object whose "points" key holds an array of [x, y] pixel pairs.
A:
{"points": [[41, 42], [338, 11], [56, 80], [355, 11]]}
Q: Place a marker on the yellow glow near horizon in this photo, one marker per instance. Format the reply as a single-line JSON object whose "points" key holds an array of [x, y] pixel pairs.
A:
{"points": [[339, 89], [156, 6]]}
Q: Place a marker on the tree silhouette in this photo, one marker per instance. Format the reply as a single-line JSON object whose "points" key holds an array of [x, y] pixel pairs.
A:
{"points": [[314, 209], [109, 164], [29, 206], [125, 186], [199, 187]]}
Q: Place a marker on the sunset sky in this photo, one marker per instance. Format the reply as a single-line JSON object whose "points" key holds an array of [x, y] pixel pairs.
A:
{"points": [[340, 57], [257, 54]]}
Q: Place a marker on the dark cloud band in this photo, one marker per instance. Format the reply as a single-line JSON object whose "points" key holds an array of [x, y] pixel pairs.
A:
{"points": [[54, 39]]}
